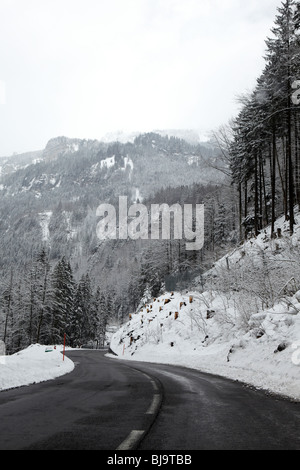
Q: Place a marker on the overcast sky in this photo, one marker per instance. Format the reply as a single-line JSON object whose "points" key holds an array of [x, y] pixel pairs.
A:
{"points": [[82, 68]]}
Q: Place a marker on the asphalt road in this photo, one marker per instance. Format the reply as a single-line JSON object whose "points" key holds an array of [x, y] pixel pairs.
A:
{"points": [[107, 404]]}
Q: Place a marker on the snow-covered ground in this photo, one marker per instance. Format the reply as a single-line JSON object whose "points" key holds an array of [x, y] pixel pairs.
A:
{"points": [[35, 364], [201, 337]]}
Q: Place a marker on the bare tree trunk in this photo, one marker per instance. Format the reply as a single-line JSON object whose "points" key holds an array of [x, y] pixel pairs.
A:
{"points": [[273, 182], [8, 298], [256, 203]]}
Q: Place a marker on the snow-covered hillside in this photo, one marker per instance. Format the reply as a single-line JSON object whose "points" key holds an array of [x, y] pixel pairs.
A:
{"points": [[245, 325], [203, 337]]}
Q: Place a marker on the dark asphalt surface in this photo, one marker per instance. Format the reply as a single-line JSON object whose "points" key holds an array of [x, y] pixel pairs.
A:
{"points": [[107, 404]]}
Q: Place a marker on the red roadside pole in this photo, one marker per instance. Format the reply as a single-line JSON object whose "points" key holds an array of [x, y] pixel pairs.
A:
{"points": [[64, 346]]}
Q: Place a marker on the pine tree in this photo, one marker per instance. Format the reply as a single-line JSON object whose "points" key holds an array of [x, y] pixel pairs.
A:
{"points": [[283, 66], [7, 302], [95, 315], [75, 327], [62, 298], [43, 270], [266, 129], [103, 317]]}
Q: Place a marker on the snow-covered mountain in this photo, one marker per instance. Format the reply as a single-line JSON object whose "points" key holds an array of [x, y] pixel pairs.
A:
{"points": [[192, 136], [50, 200], [143, 152], [19, 161]]}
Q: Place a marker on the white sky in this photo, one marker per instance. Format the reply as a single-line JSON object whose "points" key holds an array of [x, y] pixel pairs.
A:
{"points": [[82, 68]]}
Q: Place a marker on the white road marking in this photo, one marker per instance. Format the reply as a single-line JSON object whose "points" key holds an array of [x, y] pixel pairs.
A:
{"points": [[154, 385], [135, 436], [154, 405], [131, 440]]}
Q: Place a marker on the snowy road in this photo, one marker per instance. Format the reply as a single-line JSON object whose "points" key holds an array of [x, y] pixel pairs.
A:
{"points": [[107, 404]]}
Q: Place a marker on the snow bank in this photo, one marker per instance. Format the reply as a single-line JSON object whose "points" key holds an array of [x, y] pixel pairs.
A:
{"points": [[35, 364], [205, 335]]}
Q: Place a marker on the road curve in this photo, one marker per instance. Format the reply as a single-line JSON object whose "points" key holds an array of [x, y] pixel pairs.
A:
{"points": [[108, 404], [206, 412]]}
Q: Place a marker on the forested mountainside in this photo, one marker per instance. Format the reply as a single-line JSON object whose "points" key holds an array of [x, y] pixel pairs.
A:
{"points": [[57, 277], [51, 258]]}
